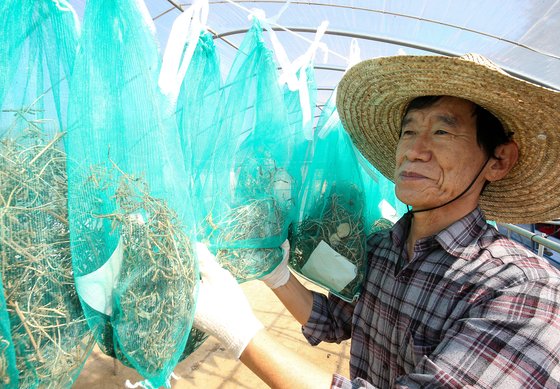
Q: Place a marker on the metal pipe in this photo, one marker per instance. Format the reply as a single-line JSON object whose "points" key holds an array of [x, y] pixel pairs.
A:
{"points": [[398, 14], [376, 38], [541, 240]]}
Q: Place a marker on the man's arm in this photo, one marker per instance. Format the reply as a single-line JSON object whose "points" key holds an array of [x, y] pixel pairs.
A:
{"points": [[296, 298], [223, 312], [280, 367], [302, 302]]}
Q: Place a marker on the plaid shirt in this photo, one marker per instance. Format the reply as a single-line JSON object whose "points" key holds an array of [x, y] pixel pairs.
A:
{"points": [[472, 308]]}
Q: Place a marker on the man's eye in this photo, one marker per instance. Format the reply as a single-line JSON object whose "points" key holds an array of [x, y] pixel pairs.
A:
{"points": [[441, 132], [406, 132]]}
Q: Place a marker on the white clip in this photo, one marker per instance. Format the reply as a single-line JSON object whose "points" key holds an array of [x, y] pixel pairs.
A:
{"points": [[141, 384], [186, 30], [354, 56], [64, 6]]}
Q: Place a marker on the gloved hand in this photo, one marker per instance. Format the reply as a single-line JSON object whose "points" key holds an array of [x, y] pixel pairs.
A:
{"points": [[281, 274], [222, 310]]}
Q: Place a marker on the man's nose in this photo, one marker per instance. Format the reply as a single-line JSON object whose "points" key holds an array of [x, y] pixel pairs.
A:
{"points": [[419, 148]]}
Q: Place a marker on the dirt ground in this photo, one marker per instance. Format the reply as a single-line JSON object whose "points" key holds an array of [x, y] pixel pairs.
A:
{"points": [[208, 366]]}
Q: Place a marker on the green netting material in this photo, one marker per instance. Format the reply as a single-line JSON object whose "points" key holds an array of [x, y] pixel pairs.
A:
{"points": [[383, 208], [134, 161], [197, 103], [50, 337], [197, 106], [248, 190], [302, 127], [337, 203], [130, 211]]}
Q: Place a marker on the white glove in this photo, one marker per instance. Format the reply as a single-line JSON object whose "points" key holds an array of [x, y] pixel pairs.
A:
{"points": [[281, 274], [222, 310]]}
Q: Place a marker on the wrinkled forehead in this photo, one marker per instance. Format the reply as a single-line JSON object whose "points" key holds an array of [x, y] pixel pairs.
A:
{"points": [[449, 110]]}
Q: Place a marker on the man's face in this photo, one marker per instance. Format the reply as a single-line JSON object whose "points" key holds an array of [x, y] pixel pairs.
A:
{"points": [[438, 155]]}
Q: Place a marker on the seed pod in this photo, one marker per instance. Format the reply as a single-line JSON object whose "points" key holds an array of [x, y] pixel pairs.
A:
{"points": [[343, 230], [334, 239]]}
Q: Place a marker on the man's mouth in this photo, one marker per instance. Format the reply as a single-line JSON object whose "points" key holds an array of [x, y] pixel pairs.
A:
{"points": [[408, 175]]}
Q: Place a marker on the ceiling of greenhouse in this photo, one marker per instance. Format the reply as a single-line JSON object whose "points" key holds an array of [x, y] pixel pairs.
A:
{"points": [[519, 35]]}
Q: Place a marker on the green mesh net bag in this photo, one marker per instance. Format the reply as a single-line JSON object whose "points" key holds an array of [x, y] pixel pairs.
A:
{"points": [[130, 211], [300, 99], [383, 208], [47, 327], [197, 106], [300, 103], [198, 99], [247, 191], [327, 241]]}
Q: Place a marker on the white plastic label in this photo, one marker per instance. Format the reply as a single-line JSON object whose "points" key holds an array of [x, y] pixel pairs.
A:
{"points": [[329, 268], [388, 212], [96, 288]]}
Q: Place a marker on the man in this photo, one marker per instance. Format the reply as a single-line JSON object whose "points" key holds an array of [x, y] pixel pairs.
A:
{"points": [[447, 300]]}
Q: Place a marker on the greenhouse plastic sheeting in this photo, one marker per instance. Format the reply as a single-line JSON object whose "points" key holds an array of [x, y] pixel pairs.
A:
{"points": [[519, 35]]}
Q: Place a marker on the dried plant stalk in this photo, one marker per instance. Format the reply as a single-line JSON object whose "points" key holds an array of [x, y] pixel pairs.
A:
{"points": [[48, 327], [261, 215], [4, 345], [154, 296], [339, 223], [380, 225], [249, 264], [247, 225], [196, 338]]}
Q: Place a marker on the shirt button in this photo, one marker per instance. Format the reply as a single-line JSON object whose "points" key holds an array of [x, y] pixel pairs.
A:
{"points": [[404, 276]]}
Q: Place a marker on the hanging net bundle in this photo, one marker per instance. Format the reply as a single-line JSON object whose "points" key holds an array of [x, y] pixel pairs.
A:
{"points": [[41, 319], [106, 181], [337, 210], [130, 211], [247, 190], [197, 103], [300, 103], [197, 107]]}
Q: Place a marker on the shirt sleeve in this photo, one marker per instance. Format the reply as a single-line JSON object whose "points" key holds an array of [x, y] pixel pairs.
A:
{"points": [[509, 340], [330, 320], [342, 382]]}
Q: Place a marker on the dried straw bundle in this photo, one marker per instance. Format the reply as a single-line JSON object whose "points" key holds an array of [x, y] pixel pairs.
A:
{"points": [[154, 295], [260, 219], [5, 378], [48, 327], [339, 223], [249, 264], [246, 225]]}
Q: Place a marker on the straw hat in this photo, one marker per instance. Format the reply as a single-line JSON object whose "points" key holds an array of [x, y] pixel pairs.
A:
{"points": [[373, 95]]}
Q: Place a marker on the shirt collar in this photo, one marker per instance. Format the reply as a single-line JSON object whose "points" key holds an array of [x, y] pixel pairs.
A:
{"points": [[460, 239], [399, 230]]}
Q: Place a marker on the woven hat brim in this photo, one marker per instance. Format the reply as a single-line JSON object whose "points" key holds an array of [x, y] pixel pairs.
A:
{"points": [[373, 95]]}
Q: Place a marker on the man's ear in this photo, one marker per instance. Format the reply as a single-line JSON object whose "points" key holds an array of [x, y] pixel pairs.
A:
{"points": [[505, 156]]}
